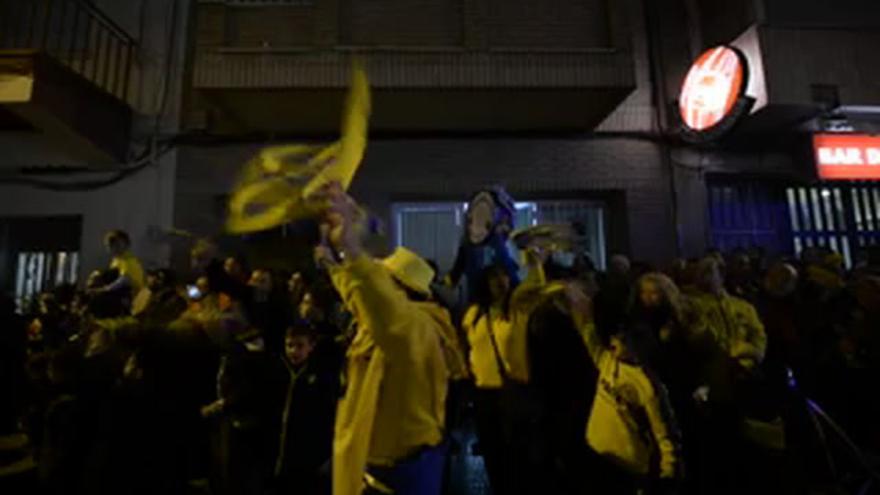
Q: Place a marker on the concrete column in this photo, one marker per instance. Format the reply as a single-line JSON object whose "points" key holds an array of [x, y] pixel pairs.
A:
{"points": [[691, 197]]}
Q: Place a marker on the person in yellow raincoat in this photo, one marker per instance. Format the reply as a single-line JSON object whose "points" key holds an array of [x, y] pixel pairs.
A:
{"points": [[129, 268], [390, 426], [496, 329], [732, 382], [631, 423], [732, 322]]}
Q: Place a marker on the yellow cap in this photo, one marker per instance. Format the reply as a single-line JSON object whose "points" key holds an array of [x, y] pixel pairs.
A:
{"points": [[410, 270]]}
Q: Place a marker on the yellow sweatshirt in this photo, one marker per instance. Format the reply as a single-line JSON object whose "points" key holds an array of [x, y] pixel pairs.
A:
{"points": [[399, 365], [631, 420], [734, 325], [483, 364], [511, 334], [128, 265]]}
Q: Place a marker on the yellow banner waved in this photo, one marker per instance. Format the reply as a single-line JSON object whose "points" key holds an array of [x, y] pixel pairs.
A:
{"points": [[274, 185]]}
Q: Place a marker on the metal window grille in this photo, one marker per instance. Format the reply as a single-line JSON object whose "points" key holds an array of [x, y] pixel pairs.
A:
{"points": [[37, 272], [844, 218], [747, 215]]}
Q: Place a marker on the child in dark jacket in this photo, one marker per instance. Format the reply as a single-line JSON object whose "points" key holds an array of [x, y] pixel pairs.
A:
{"points": [[308, 415]]}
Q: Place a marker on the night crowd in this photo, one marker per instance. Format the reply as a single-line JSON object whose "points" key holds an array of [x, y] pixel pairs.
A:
{"points": [[733, 373]]}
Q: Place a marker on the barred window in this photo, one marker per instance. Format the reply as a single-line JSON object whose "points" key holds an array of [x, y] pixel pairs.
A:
{"points": [[844, 217], [789, 219], [38, 254], [37, 272], [434, 229]]}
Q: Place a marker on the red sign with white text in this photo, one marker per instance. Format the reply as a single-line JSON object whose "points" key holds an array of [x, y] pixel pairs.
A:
{"points": [[847, 156], [712, 86]]}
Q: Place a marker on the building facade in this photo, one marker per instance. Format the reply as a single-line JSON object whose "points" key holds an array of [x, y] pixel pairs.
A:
{"points": [[89, 92], [571, 105], [553, 102], [810, 72]]}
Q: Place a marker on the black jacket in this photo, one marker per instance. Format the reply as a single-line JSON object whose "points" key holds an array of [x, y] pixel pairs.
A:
{"points": [[307, 417]]}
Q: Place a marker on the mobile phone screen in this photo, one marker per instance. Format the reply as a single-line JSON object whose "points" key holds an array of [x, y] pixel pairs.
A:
{"points": [[193, 292]]}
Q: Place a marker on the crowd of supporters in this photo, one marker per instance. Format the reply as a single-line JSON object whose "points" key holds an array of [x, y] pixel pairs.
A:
{"points": [[733, 373]]}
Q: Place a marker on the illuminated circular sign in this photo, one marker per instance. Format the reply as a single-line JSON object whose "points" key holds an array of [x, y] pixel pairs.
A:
{"points": [[712, 88]]}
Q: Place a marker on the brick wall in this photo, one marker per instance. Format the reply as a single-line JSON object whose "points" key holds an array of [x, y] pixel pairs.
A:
{"points": [[627, 174], [814, 13], [569, 24], [557, 23], [796, 59], [276, 26], [210, 27], [401, 22], [723, 20]]}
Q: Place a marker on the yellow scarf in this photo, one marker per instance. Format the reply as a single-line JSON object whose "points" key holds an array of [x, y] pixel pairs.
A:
{"points": [[274, 186]]}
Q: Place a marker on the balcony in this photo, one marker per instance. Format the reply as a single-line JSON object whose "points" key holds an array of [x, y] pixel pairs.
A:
{"points": [[450, 65], [64, 73]]}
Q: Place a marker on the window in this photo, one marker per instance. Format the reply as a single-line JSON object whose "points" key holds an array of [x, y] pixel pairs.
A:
{"points": [[434, 230], [841, 216], [588, 219], [431, 229], [40, 271], [844, 218], [38, 254], [745, 214]]}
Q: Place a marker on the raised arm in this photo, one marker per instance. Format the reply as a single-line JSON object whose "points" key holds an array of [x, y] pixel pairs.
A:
{"points": [[503, 257], [526, 294], [371, 295], [366, 287], [581, 308], [122, 282]]}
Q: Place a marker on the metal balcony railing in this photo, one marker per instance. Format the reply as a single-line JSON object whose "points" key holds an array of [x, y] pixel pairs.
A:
{"points": [[76, 34]]}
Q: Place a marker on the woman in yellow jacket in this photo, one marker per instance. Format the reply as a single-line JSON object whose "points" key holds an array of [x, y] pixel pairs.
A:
{"points": [[731, 322], [631, 423], [389, 434], [496, 329]]}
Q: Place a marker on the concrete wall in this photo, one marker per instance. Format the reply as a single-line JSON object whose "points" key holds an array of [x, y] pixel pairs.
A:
{"points": [[135, 205]]}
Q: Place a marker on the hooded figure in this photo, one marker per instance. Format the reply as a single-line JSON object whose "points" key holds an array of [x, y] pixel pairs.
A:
{"points": [[490, 220]]}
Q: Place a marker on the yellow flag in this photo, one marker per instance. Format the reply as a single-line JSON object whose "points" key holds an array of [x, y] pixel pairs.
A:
{"points": [[274, 185]]}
